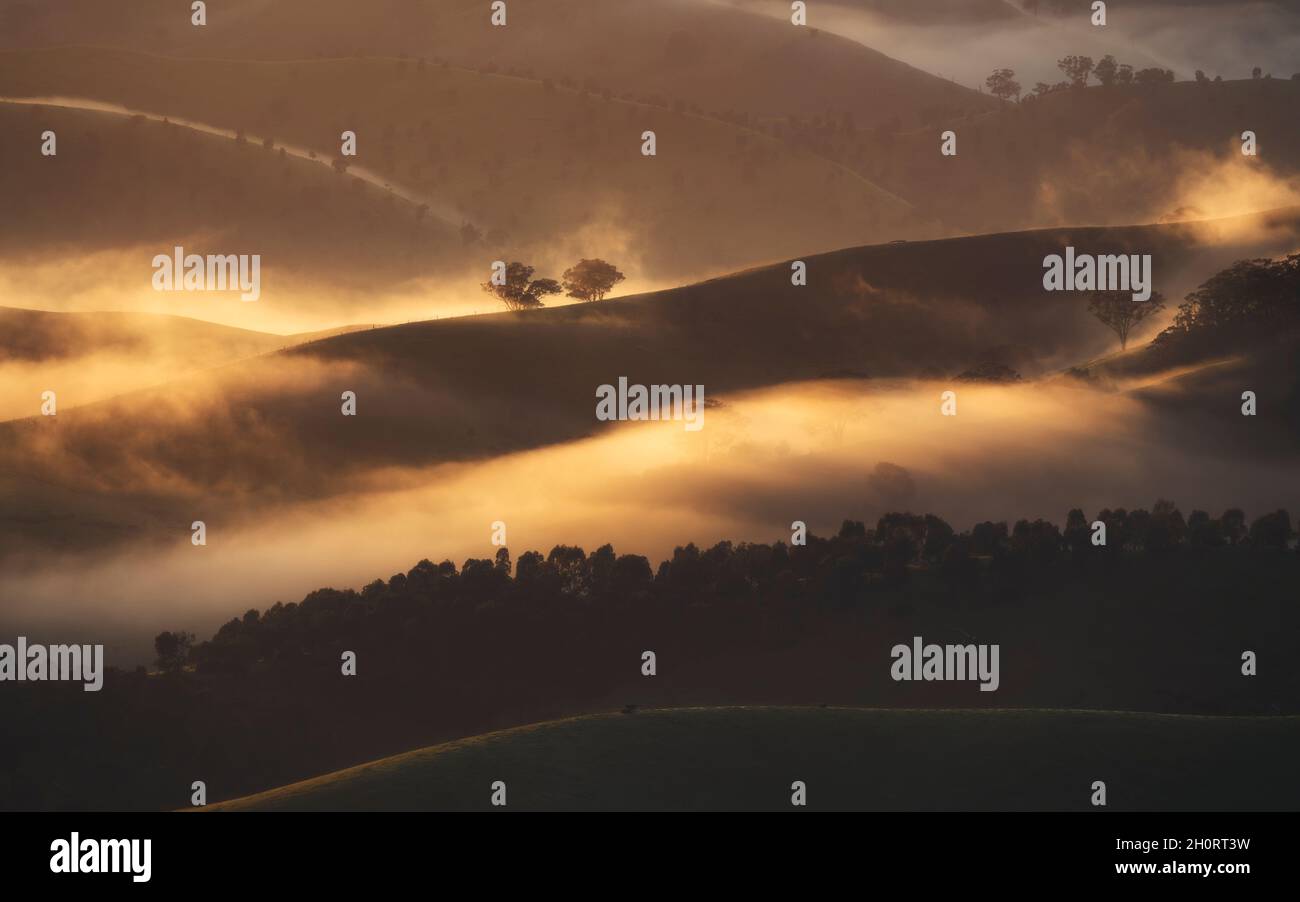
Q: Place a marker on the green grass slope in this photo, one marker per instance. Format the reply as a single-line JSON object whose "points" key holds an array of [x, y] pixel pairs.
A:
{"points": [[849, 758]]}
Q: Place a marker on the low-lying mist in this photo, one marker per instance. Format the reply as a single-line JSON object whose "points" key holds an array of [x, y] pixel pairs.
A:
{"points": [[817, 452]]}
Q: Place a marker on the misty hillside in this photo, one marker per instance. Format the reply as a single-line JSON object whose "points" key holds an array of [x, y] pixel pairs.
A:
{"points": [[37, 336], [269, 431], [698, 52], [1096, 155], [87, 357]]}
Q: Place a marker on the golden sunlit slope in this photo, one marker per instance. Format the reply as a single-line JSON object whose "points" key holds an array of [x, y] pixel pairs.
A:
{"points": [[702, 53], [744, 758], [553, 173], [270, 432]]}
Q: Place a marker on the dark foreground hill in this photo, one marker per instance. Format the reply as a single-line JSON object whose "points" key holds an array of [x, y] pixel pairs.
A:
{"points": [[848, 758], [1159, 620]]}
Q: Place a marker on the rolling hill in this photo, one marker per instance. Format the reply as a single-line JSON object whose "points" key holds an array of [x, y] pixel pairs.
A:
{"points": [[708, 54], [848, 759], [269, 431], [554, 173]]}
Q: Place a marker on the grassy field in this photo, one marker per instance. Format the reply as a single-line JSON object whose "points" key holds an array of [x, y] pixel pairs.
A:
{"points": [[849, 758]]}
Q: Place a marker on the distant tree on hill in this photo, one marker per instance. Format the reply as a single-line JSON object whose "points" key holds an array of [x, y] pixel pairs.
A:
{"points": [[1271, 531], [521, 291], [1002, 84], [1125, 74], [1256, 73], [1107, 70], [1234, 525], [591, 280], [1203, 532], [1120, 313], [1153, 76], [1076, 68], [172, 650]]}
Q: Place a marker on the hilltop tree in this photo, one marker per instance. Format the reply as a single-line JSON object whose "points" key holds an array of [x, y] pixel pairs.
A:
{"points": [[173, 650], [1003, 85], [1153, 76], [591, 280], [1271, 531], [1106, 70], [520, 290], [1077, 69], [1120, 313]]}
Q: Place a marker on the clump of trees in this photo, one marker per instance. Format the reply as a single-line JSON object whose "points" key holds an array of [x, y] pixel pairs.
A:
{"points": [[587, 280], [1078, 71], [1250, 300]]}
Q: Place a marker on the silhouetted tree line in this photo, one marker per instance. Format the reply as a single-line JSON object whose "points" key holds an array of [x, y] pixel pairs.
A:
{"points": [[1250, 300], [1108, 71], [993, 561]]}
